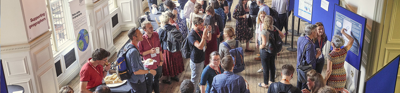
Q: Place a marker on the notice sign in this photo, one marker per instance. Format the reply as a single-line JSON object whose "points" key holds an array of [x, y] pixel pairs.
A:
{"points": [[79, 21], [305, 9], [35, 17], [353, 28]]}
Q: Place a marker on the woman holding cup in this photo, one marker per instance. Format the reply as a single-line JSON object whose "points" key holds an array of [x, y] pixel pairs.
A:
{"points": [[242, 30], [319, 43]]}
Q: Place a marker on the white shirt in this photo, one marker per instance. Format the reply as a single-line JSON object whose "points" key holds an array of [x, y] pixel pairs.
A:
{"points": [[281, 6], [189, 8]]}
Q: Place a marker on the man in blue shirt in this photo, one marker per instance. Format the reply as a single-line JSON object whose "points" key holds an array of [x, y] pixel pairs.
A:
{"points": [[228, 82], [197, 39], [134, 60], [311, 54]]}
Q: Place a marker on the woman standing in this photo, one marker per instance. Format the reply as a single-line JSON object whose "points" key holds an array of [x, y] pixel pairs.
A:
{"points": [[242, 30], [196, 13], [259, 28], [265, 56], [319, 44], [210, 71], [218, 10], [336, 74], [229, 38], [212, 45], [314, 82], [181, 22], [173, 64]]}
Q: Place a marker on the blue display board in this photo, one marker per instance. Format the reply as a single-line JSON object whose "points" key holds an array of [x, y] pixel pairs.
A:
{"points": [[303, 9], [324, 16], [3, 83], [291, 5], [384, 81], [355, 25]]}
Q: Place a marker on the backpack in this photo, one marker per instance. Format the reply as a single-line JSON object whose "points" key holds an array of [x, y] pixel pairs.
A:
{"points": [[275, 15], [237, 56], [123, 67], [254, 8], [275, 41], [185, 48], [174, 40]]}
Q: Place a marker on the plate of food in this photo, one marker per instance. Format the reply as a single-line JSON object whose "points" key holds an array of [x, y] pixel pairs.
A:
{"points": [[149, 61], [113, 80]]}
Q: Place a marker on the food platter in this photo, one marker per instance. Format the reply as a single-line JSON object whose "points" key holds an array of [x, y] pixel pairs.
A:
{"points": [[116, 84]]}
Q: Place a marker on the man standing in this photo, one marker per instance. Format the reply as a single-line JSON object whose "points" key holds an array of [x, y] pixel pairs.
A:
{"points": [[229, 82], [138, 78], [281, 6], [197, 39], [310, 53], [92, 73], [284, 85], [150, 48], [189, 8]]}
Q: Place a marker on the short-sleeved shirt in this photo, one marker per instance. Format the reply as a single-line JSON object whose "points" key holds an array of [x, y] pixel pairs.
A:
{"points": [[266, 34], [281, 88], [92, 75], [310, 51], [208, 75], [196, 55], [228, 82], [147, 44], [135, 61]]}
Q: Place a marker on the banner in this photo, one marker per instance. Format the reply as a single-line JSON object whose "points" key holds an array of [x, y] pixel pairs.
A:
{"points": [[79, 21], [35, 18]]}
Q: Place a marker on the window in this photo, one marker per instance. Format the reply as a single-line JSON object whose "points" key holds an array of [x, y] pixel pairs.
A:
{"points": [[58, 15], [112, 4]]}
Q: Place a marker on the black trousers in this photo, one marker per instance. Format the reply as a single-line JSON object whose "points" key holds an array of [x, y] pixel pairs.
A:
{"points": [[282, 21]]}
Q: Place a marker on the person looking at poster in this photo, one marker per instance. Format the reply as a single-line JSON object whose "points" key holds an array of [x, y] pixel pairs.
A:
{"points": [[336, 74]]}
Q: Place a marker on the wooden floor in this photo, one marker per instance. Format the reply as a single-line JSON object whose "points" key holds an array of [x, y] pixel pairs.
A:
{"points": [[250, 73]]}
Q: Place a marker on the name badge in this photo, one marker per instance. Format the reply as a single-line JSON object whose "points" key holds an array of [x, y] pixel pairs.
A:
{"points": [[153, 55]]}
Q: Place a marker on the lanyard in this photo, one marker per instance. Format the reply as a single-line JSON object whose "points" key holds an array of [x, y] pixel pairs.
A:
{"points": [[147, 39], [198, 34], [94, 68], [308, 38], [218, 71], [320, 43]]}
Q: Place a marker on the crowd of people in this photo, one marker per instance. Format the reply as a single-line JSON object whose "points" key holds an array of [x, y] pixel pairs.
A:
{"points": [[202, 24]]}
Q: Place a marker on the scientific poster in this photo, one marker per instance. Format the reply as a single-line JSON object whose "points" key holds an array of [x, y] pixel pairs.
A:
{"points": [[305, 9], [353, 29], [79, 21]]}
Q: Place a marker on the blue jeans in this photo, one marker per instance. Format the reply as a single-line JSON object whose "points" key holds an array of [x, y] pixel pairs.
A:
{"points": [[301, 85], [229, 5], [268, 63], [155, 85], [197, 69]]}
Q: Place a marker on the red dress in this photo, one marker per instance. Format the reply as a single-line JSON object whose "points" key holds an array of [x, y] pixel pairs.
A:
{"points": [[173, 63], [211, 46]]}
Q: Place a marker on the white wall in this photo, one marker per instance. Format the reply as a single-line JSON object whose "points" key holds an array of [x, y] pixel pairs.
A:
{"points": [[13, 23], [365, 8]]}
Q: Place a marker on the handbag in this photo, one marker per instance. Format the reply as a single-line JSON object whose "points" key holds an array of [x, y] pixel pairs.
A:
{"points": [[303, 68]]}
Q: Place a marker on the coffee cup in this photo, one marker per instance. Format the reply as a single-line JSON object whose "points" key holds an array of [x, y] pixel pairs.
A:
{"points": [[158, 50]]}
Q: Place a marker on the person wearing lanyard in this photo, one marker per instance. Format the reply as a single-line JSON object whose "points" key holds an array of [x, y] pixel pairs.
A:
{"points": [[197, 39], [319, 43], [150, 49], [138, 78], [228, 82], [92, 73], [311, 54], [210, 71]]}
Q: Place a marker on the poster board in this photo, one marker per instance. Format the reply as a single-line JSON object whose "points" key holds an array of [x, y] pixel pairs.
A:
{"points": [[304, 9], [323, 11], [384, 81], [355, 25], [35, 18], [79, 21], [3, 83]]}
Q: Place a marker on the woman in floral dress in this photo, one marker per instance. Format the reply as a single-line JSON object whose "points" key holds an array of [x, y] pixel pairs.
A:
{"points": [[242, 30]]}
